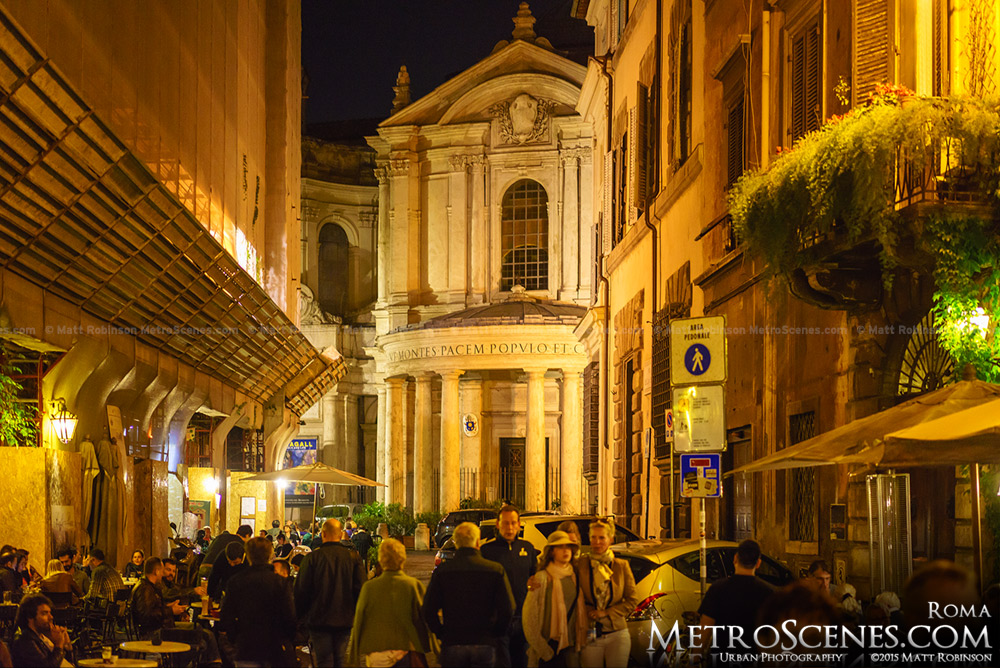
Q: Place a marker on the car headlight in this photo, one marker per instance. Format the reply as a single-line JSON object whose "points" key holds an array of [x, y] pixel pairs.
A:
{"points": [[645, 611]]}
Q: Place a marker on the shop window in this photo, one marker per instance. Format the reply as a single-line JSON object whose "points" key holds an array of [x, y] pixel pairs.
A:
{"points": [[524, 231]]}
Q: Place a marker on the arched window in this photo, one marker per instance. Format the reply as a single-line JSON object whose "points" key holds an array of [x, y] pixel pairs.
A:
{"points": [[333, 269], [524, 233]]}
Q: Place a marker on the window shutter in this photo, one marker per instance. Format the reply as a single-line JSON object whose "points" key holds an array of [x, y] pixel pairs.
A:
{"points": [[813, 82], [871, 47], [806, 111], [641, 140], [633, 165], [798, 85], [607, 220], [940, 64], [735, 135]]}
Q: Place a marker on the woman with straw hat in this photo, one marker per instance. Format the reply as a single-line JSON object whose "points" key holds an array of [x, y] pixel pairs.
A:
{"points": [[550, 610]]}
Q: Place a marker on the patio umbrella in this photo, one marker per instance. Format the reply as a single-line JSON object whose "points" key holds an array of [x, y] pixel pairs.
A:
{"points": [[316, 473], [863, 441]]}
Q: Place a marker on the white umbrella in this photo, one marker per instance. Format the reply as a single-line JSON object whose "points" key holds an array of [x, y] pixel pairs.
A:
{"points": [[315, 473]]}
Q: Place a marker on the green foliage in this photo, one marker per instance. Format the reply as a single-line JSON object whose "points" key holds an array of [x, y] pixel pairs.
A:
{"points": [[398, 518], [430, 518], [17, 420], [372, 556], [470, 502], [840, 180]]}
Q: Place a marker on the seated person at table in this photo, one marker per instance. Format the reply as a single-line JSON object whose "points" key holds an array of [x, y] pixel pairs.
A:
{"points": [[172, 591], [58, 581], [67, 557], [133, 569], [9, 579], [104, 580], [39, 641], [151, 613], [282, 548], [226, 567]]}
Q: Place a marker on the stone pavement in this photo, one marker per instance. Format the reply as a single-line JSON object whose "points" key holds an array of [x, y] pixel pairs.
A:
{"points": [[420, 564]]}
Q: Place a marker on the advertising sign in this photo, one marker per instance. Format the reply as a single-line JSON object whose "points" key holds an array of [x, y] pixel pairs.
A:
{"points": [[300, 451]]}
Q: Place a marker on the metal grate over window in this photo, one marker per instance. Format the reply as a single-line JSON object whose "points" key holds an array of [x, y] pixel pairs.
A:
{"points": [[661, 382], [802, 483], [524, 229], [591, 419]]}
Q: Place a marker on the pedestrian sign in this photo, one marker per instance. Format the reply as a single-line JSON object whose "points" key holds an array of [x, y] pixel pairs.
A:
{"points": [[701, 475], [698, 350], [697, 359]]}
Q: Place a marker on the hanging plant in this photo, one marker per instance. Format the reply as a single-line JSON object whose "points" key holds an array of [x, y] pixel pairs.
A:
{"points": [[841, 181]]}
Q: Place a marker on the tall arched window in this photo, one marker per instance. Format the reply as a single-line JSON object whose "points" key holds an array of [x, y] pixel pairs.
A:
{"points": [[524, 233], [333, 269]]}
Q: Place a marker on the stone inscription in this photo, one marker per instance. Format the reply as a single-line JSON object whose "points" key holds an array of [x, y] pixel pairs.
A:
{"points": [[472, 349]]}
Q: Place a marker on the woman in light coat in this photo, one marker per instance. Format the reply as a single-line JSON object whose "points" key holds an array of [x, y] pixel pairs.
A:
{"points": [[551, 608], [387, 620]]}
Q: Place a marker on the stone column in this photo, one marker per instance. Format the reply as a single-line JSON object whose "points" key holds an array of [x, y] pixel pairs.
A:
{"points": [[381, 445], [422, 475], [395, 442], [451, 440], [534, 447], [472, 446], [571, 230], [382, 250], [571, 438], [326, 452]]}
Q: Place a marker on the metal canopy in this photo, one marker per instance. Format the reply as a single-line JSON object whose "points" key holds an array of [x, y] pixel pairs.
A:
{"points": [[85, 219]]}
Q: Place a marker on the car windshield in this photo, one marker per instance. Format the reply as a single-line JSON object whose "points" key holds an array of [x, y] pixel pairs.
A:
{"points": [[689, 565], [641, 567], [622, 535]]}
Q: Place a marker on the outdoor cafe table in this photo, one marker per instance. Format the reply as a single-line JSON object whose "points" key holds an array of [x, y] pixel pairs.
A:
{"points": [[119, 663], [165, 648]]}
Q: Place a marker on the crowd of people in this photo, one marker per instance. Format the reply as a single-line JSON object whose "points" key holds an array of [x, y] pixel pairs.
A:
{"points": [[498, 603]]}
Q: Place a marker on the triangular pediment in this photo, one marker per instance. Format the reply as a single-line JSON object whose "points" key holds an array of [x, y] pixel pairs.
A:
{"points": [[517, 67]]}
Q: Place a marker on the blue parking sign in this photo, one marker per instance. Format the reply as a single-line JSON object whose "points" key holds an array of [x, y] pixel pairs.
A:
{"points": [[701, 475]]}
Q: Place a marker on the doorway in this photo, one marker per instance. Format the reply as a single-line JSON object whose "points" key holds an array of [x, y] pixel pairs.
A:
{"points": [[512, 479]]}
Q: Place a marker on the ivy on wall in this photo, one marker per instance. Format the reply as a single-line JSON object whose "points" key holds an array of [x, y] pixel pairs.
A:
{"points": [[841, 181], [17, 420]]}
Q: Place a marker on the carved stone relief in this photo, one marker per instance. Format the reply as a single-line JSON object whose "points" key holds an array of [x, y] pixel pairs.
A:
{"points": [[523, 120]]}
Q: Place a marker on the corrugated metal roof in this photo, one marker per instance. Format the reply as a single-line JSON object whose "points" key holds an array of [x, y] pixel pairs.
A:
{"points": [[84, 218]]}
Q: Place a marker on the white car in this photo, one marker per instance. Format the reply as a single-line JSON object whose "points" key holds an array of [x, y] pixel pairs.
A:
{"points": [[668, 585], [536, 527]]}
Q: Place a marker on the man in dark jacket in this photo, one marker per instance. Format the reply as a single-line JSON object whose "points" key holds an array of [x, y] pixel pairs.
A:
{"points": [[34, 620], [474, 600], [326, 593], [225, 567], [149, 611], [218, 547], [259, 614], [518, 558]]}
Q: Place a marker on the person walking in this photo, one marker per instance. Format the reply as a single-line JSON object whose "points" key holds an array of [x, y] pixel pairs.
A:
{"points": [[735, 602], [518, 558], [258, 613], [387, 623], [469, 604], [608, 588], [551, 609], [326, 592]]}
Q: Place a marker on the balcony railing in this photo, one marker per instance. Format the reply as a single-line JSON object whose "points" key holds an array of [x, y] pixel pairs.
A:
{"points": [[940, 177]]}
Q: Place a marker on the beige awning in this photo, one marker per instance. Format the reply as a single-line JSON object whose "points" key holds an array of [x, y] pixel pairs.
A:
{"points": [[862, 441], [966, 437]]}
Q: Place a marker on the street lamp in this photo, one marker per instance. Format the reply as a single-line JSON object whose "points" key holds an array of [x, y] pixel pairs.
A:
{"points": [[63, 422]]}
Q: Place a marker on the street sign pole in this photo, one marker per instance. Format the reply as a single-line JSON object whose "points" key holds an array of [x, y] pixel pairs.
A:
{"points": [[673, 511], [703, 546]]}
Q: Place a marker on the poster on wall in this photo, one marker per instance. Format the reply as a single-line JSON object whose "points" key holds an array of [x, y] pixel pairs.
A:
{"points": [[202, 510], [300, 451]]}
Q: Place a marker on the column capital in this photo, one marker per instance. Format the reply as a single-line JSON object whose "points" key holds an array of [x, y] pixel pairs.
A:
{"points": [[424, 376], [572, 373], [395, 382], [452, 374], [535, 371]]}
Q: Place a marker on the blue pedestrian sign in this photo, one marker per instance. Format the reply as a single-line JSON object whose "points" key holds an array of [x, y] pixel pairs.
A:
{"points": [[697, 359], [701, 475]]}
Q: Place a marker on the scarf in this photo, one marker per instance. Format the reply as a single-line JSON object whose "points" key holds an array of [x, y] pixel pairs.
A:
{"points": [[558, 621], [600, 569]]}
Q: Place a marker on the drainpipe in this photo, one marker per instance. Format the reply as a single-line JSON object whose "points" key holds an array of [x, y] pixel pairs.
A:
{"points": [[654, 164], [605, 220]]}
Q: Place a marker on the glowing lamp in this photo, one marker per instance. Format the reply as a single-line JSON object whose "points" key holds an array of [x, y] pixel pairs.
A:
{"points": [[63, 423]]}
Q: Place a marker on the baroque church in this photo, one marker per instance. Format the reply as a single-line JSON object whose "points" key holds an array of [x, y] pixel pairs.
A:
{"points": [[453, 287]]}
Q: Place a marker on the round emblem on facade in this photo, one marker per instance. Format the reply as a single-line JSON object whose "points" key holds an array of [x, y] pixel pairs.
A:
{"points": [[470, 424]]}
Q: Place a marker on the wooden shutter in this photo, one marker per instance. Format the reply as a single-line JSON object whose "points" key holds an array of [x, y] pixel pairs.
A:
{"points": [[872, 47], [608, 203], [633, 165], [806, 87], [640, 154], [736, 142], [940, 67]]}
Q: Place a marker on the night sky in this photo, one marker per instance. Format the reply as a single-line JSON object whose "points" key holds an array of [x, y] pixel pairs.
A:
{"points": [[352, 49]]}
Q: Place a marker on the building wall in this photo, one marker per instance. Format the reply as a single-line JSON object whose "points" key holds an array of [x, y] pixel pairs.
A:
{"points": [[207, 94]]}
